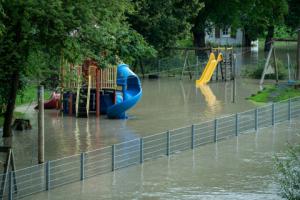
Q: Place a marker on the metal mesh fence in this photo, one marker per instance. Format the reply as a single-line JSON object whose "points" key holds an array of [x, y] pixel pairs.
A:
{"points": [[59, 172], [204, 133], [155, 146], [97, 162], [63, 171]]}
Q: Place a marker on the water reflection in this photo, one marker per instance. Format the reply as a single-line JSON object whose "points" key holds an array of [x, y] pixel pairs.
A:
{"points": [[213, 105]]}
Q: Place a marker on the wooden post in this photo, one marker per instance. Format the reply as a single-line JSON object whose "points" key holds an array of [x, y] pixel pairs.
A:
{"points": [[41, 124], [298, 56], [266, 65], [71, 104], [275, 63], [226, 63], [97, 93], [218, 66], [61, 84]]}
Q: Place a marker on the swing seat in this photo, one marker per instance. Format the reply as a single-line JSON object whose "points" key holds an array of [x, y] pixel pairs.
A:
{"points": [[291, 82]]}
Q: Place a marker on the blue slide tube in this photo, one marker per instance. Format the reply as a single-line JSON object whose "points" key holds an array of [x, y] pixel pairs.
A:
{"points": [[131, 93]]}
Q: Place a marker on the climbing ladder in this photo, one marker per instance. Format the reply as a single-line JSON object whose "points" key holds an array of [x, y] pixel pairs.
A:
{"points": [[83, 98], [224, 71]]}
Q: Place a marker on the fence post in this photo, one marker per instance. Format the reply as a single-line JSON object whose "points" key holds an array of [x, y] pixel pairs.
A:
{"points": [[168, 143], [215, 132], [113, 157], [193, 137], [141, 150], [256, 118], [10, 186], [41, 125], [273, 114], [82, 158], [236, 124], [48, 175], [289, 110]]}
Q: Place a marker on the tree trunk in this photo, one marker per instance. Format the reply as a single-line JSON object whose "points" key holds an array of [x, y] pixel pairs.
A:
{"points": [[11, 105], [247, 42], [199, 35], [269, 38], [141, 66]]}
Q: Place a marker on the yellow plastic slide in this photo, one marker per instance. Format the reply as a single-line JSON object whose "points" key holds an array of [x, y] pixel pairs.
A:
{"points": [[209, 68]]}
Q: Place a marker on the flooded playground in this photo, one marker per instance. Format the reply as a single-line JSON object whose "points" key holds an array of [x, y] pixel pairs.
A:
{"points": [[238, 168], [167, 103]]}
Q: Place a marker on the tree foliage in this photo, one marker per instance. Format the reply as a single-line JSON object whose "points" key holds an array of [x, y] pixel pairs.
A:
{"points": [[261, 16], [293, 18], [289, 173], [162, 23]]}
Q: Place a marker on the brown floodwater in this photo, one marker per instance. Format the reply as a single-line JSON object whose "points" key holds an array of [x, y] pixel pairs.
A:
{"points": [[167, 103], [238, 168]]}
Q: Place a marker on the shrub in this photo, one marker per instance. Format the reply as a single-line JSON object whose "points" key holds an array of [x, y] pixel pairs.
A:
{"points": [[289, 173]]}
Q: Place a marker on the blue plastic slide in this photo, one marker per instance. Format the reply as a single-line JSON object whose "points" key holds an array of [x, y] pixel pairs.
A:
{"points": [[130, 95]]}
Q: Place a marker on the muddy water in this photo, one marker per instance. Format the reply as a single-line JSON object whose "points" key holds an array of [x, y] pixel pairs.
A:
{"points": [[238, 168], [167, 103], [233, 169]]}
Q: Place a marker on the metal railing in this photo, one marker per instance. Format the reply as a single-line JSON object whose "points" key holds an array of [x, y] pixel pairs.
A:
{"points": [[59, 172]]}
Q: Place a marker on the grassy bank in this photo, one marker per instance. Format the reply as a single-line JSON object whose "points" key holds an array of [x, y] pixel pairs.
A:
{"points": [[274, 93], [29, 95]]}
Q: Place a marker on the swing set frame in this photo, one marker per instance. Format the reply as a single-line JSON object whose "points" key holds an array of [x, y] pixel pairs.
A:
{"points": [[270, 53]]}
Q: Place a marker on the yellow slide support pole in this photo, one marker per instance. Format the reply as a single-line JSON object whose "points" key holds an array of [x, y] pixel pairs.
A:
{"points": [[209, 69]]}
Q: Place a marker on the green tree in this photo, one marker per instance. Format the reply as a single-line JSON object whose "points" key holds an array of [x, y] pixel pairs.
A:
{"points": [[260, 17], [293, 18], [162, 23], [38, 34], [274, 11], [217, 13]]}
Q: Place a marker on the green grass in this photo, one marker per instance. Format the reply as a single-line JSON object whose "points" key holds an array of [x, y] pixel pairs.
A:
{"points": [[275, 94], [29, 95]]}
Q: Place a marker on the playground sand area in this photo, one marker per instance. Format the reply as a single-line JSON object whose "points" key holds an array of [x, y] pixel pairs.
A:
{"points": [[167, 103]]}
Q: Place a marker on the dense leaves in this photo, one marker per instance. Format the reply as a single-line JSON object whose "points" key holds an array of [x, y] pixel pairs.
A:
{"points": [[162, 23]]}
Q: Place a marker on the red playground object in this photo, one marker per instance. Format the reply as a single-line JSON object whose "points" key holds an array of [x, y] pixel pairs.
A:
{"points": [[53, 102]]}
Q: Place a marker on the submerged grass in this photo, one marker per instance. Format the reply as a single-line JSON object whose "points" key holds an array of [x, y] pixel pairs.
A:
{"points": [[273, 93], [28, 96]]}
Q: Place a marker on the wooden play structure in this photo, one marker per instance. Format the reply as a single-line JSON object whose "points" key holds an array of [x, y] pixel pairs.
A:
{"points": [[273, 68], [224, 70], [83, 85]]}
